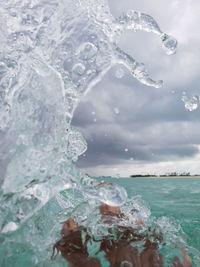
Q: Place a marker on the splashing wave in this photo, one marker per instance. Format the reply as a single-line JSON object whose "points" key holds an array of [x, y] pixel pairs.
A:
{"points": [[52, 53]]}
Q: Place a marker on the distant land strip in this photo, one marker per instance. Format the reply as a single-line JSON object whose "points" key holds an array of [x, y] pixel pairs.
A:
{"points": [[167, 175]]}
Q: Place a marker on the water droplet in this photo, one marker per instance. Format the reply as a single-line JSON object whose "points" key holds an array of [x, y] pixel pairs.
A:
{"points": [[169, 44], [116, 110], [191, 103], [119, 73], [126, 149]]}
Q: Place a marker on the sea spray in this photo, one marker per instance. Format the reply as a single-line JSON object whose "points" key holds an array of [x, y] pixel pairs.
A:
{"points": [[52, 53]]}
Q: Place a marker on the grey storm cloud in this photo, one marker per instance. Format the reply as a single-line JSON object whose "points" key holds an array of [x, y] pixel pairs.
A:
{"points": [[151, 123], [114, 153]]}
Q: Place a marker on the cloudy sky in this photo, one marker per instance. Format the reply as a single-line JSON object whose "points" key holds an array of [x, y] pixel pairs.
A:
{"points": [[131, 128]]}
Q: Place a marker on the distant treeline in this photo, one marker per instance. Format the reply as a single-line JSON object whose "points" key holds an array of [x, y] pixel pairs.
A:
{"points": [[164, 175]]}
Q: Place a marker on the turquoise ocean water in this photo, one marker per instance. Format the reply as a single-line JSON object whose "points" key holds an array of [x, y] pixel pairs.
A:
{"points": [[177, 198]]}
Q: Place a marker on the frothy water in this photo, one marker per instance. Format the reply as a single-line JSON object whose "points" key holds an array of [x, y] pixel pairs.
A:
{"points": [[52, 53]]}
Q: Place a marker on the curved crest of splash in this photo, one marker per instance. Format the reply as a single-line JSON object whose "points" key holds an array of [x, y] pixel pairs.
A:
{"points": [[52, 53]]}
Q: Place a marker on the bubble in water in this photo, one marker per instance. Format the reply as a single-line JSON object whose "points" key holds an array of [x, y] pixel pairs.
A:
{"points": [[169, 44], [119, 73], [87, 51], [79, 69], [191, 103]]}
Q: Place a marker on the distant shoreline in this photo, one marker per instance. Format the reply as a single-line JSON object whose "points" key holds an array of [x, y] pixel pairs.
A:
{"points": [[162, 177], [154, 176]]}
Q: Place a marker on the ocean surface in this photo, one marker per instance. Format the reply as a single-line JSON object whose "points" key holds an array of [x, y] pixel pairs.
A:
{"points": [[177, 198]]}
